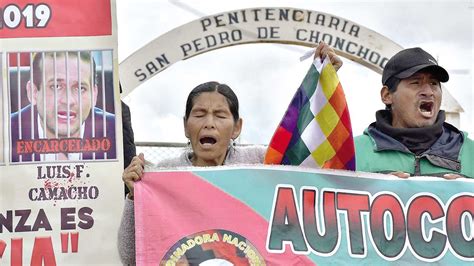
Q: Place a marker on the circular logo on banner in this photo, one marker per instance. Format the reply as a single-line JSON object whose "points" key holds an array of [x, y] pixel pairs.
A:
{"points": [[213, 247]]}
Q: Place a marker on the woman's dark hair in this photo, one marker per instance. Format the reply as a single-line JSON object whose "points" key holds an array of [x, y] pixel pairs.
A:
{"points": [[212, 86]]}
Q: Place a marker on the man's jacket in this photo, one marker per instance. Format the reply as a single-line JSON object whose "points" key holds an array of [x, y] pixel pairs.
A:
{"points": [[451, 153]]}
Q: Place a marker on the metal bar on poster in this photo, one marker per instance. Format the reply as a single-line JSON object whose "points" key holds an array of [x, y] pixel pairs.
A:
{"points": [[32, 87], [104, 118], [68, 100], [79, 94], [55, 101], [18, 86], [93, 83]]}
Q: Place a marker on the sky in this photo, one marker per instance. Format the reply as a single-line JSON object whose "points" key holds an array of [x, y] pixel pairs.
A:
{"points": [[266, 76]]}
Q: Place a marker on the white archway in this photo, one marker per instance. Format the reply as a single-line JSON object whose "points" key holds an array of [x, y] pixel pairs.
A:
{"points": [[282, 25]]}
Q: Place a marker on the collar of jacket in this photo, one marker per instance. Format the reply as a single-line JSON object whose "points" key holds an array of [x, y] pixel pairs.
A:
{"points": [[443, 153]]}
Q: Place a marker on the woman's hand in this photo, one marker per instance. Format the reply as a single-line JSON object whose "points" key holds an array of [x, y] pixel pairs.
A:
{"points": [[324, 50], [133, 172], [400, 174]]}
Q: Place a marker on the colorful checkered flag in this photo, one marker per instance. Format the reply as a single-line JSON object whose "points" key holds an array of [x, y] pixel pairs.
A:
{"points": [[316, 128]]}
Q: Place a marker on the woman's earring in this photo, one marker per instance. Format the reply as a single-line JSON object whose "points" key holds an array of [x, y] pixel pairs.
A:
{"points": [[232, 144]]}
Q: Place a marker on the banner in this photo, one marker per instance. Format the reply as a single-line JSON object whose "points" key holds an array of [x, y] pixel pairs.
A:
{"points": [[60, 163], [285, 215]]}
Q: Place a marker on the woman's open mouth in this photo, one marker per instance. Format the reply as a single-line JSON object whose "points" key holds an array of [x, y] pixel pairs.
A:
{"points": [[207, 141]]}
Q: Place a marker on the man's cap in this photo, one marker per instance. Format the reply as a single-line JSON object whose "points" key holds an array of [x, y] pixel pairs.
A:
{"points": [[409, 61]]}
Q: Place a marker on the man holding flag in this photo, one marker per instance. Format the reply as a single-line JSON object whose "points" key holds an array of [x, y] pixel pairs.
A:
{"points": [[410, 137]]}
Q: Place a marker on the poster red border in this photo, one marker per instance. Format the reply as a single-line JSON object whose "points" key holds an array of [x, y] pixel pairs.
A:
{"points": [[67, 19]]}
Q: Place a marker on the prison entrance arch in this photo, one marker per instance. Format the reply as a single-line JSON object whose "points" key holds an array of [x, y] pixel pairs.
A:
{"points": [[282, 25]]}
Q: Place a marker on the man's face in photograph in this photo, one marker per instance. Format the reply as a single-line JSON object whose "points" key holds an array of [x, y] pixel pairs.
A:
{"points": [[74, 98]]}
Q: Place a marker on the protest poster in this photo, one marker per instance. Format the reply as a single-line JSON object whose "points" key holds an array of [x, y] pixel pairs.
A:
{"points": [[60, 188], [283, 215]]}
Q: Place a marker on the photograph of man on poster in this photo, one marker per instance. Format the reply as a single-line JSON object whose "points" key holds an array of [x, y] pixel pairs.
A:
{"points": [[53, 104]]}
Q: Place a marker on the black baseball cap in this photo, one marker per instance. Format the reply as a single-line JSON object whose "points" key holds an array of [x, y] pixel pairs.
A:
{"points": [[409, 61]]}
